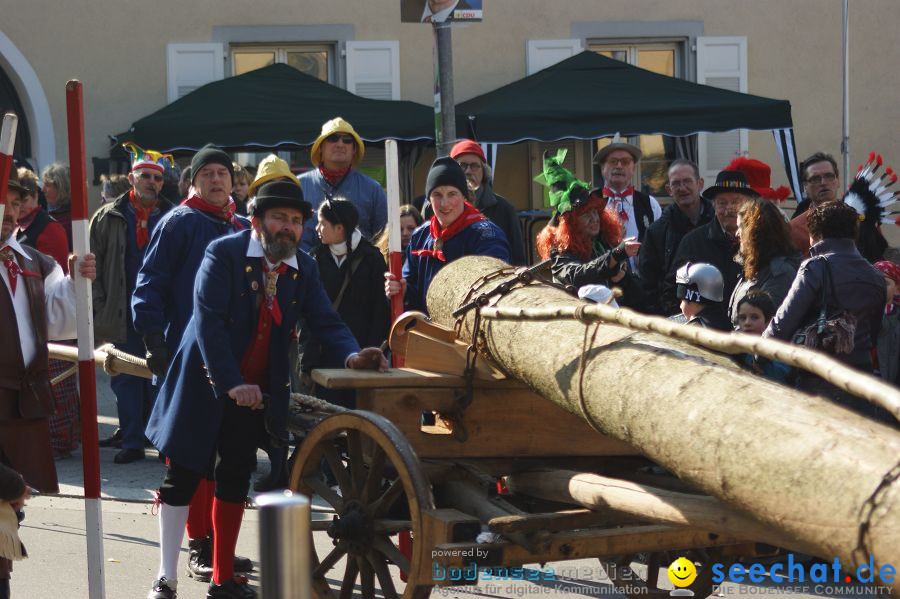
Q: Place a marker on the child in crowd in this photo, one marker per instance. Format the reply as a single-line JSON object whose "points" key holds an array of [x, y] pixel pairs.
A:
{"points": [[754, 312]]}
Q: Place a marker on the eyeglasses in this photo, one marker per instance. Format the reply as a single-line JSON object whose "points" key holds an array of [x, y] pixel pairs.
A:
{"points": [[336, 137], [475, 166], [620, 161], [682, 183], [147, 176], [819, 179]]}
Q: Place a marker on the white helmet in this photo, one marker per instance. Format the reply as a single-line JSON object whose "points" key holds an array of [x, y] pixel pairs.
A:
{"points": [[700, 282]]}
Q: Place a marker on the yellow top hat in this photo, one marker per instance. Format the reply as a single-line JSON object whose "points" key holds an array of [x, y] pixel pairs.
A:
{"points": [[337, 125]]}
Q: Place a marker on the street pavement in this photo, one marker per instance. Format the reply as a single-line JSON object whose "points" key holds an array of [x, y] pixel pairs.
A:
{"points": [[54, 533]]}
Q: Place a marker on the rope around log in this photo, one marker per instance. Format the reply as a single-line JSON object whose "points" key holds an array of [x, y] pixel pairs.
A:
{"points": [[867, 387]]}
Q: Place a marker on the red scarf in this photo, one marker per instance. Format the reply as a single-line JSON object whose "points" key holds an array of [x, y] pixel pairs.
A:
{"points": [[469, 216], [141, 221], [619, 197], [225, 212], [333, 176]]}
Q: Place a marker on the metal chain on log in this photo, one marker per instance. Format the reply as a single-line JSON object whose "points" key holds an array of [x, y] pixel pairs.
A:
{"points": [[797, 463], [838, 374]]}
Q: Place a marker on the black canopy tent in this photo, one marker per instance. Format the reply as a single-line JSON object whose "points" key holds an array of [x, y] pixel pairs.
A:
{"points": [[273, 107], [589, 96]]}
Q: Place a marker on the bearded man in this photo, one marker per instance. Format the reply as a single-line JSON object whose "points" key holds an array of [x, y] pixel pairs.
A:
{"points": [[250, 291]]}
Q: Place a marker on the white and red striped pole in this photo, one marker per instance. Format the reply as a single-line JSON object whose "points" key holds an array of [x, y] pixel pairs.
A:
{"points": [[395, 255], [7, 142], [87, 376]]}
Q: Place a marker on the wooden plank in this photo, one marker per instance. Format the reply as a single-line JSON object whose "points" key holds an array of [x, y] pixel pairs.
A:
{"points": [[554, 521], [499, 423], [426, 353], [578, 545], [346, 378], [445, 526]]}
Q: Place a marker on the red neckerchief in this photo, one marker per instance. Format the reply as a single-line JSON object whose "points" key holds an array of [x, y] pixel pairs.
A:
{"points": [[26, 220], [619, 197], [141, 221], [255, 364], [333, 176], [469, 216], [12, 268], [225, 212]]}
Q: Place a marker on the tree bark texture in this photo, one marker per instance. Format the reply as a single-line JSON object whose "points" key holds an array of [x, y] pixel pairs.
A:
{"points": [[799, 464]]}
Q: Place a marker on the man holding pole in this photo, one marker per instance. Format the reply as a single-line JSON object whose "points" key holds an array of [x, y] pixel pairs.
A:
{"points": [[229, 384], [37, 304]]}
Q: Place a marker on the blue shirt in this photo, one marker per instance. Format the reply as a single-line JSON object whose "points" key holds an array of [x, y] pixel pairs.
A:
{"points": [[482, 238], [365, 193]]}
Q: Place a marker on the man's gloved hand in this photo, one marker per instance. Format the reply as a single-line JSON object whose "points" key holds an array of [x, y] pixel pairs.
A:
{"points": [[157, 353]]}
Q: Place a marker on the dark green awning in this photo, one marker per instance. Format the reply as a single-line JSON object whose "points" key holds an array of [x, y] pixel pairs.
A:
{"points": [[276, 106], [589, 96]]}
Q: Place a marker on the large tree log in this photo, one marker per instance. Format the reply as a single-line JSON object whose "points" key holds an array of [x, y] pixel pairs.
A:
{"points": [[799, 464]]}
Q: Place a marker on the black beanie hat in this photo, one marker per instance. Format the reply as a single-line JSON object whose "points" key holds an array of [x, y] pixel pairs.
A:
{"points": [[445, 171], [280, 194], [339, 211], [210, 154]]}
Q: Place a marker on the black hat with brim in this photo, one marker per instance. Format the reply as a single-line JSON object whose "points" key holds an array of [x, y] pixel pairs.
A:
{"points": [[729, 182], [280, 194]]}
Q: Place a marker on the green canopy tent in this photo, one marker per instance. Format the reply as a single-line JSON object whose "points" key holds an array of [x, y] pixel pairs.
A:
{"points": [[589, 96], [273, 107]]}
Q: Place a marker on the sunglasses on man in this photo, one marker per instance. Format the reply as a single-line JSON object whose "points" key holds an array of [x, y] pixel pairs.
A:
{"points": [[148, 176], [336, 137]]}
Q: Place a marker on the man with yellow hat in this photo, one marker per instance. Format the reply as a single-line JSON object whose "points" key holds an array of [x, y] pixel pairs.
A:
{"points": [[336, 153]]}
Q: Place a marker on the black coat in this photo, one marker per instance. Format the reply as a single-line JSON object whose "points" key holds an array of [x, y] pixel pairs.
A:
{"points": [[708, 244], [658, 253], [364, 307], [712, 317], [569, 270]]}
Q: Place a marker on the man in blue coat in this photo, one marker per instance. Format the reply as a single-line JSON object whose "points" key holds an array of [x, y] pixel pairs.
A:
{"points": [[163, 301], [250, 291]]}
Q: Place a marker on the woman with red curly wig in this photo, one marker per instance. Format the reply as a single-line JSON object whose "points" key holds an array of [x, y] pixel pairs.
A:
{"points": [[584, 241]]}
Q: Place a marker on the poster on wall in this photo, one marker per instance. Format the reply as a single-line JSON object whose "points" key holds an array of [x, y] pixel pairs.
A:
{"points": [[440, 11]]}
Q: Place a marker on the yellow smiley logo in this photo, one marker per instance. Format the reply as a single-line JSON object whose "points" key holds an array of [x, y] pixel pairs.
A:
{"points": [[682, 572]]}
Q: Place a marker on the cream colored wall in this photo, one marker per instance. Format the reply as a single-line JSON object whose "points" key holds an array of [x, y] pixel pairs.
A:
{"points": [[118, 49]]}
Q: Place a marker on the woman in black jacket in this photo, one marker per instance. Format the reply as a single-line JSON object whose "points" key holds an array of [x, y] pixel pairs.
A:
{"points": [[352, 271]]}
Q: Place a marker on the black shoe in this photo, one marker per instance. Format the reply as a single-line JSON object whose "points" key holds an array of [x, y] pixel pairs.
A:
{"points": [[272, 482], [200, 561], [115, 440], [243, 564], [236, 588], [126, 456], [161, 590]]}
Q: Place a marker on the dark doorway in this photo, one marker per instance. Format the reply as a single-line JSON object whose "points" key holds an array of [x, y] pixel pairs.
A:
{"points": [[9, 102]]}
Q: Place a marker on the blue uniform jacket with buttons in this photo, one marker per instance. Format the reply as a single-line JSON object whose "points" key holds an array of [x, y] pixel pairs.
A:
{"points": [[228, 293]]}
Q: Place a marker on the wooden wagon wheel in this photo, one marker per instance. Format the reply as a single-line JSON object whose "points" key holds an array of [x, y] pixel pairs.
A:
{"points": [[649, 584], [383, 491]]}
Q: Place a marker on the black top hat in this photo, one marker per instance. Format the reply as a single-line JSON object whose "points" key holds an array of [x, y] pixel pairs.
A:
{"points": [[280, 194], [729, 182]]}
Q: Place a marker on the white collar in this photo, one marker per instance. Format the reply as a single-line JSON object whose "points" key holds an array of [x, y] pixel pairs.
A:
{"points": [[255, 250], [14, 245], [441, 15]]}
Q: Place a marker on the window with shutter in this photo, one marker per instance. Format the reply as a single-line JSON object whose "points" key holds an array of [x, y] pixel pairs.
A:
{"points": [[721, 62], [189, 66], [373, 69]]}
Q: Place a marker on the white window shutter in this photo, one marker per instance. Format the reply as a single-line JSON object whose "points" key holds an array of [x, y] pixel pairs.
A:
{"points": [[189, 66], [721, 62], [544, 53], [373, 69]]}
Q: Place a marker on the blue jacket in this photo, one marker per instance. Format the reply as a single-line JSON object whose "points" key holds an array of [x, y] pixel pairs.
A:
{"points": [[186, 417], [482, 238], [364, 191], [163, 296]]}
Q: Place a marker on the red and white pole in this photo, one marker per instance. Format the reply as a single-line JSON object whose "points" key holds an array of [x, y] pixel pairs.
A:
{"points": [[7, 142], [87, 376], [395, 255]]}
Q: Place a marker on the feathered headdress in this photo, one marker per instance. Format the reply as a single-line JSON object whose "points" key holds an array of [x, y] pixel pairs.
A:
{"points": [[565, 190], [141, 158], [871, 196]]}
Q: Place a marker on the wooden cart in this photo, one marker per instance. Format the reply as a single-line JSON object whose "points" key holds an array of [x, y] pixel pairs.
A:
{"points": [[424, 456]]}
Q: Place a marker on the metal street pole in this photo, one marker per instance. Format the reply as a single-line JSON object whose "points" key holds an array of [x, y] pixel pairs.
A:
{"points": [[845, 131], [444, 104]]}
